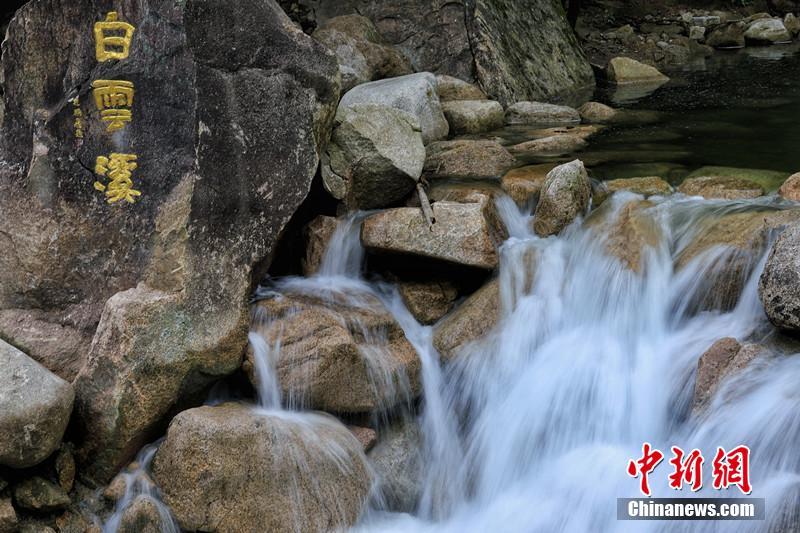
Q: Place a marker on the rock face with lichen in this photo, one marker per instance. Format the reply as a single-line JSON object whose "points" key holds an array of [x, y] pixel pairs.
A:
{"points": [[513, 50], [228, 122]]}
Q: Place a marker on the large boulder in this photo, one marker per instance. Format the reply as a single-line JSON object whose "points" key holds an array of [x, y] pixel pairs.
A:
{"points": [[231, 468], [779, 286], [791, 188], [473, 116], [428, 301], [415, 94], [342, 354], [35, 407], [622, 70], [462, 233], [541, 113], [362, 52], [465, 159], [396, 461], [228, 124], [564, 196], [376, 155], [487, 41], [742, 237], [724, 358], [597, 113], [470, 321], [721, 187], [767, 31]]}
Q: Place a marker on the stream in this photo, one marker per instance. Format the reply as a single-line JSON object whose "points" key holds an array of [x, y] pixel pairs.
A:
{"points": [[531, 428]]}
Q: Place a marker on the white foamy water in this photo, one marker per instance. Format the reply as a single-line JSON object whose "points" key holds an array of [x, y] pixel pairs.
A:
{"points": [[532, 428]]}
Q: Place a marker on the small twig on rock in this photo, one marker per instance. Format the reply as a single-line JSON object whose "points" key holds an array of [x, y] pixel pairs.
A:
{"points": [[426, 206]]}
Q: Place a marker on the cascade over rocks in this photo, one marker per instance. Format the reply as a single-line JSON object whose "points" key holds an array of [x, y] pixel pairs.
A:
{"points": [[35, 407], [415, 94], [523, 184], [724, 358], [228, 124], [342, 354], [565, 195], [490, 42], [376, 155], [318, 234], [779, 286], [362, 52], [396, 460], [743, 238], [629, 233], [231, 468]]}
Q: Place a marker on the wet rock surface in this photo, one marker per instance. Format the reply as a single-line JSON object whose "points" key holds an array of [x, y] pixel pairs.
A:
{"points": [[723, 359], [230, 468], [428, 301], [465, 158], [470, 321], [779, 285], [721, 187], [397, 462], [564, 196]]}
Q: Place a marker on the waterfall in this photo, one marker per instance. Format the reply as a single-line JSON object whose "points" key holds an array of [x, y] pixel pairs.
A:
{"points": [[531, 428], [139, 486]]}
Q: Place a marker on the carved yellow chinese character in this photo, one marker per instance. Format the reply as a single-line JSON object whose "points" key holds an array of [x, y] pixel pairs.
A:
{"points": [[118, 168], [113, 98], [112, 38], [78, 114]]}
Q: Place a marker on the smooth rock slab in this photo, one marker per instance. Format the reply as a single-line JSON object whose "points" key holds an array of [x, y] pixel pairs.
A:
{"points": [[552, 145], [461, 234], [467, 159], [623, 70], [35, 407], [413, 93], [230, 469], [470, 321], [346, 354], [564, 196], [473, 116], [541, 113], [376, 155], [721, 187], [779, 286]]}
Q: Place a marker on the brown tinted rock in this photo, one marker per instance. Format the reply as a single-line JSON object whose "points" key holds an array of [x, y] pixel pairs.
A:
{"points": [[35, 407], [229, 122], [230, 469], [724, 358], [629, 233], [553, 145], [322, 363], [791, 188], [722, 187], [523, 184], [792, 23], [564, 196], [541, 113], [473, 116], [646, 186], [466, 159], [367, 437], [318, 234], [8, 517], [65, 468], [779, 286], [767, 31], [116, 489], [462, 234], [141, 516], [623, 70], [428, 301], [470, 321], [451, 89], [596, 113], [362, 52], [39, 495]]}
